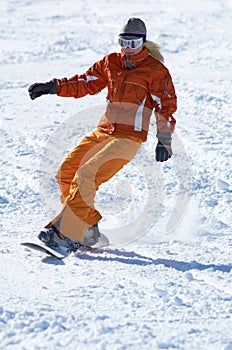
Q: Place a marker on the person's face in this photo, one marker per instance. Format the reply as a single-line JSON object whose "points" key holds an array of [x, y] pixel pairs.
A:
{"points": [[130, 52]]}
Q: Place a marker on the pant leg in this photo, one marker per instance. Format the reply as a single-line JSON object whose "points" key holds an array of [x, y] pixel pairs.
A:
{"points": [[79, 211], [79, 155]]}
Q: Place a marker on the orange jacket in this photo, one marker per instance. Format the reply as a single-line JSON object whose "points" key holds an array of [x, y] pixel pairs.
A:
{"points": [[136, 86]]}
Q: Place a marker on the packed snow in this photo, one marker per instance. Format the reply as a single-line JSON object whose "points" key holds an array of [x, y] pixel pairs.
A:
{"points": [[166, 280]]}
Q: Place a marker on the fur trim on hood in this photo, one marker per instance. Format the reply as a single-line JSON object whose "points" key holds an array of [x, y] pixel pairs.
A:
{"points": [[154, 50]]}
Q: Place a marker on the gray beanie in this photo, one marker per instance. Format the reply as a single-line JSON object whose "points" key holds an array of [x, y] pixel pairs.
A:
{"points": [[134, 26]]}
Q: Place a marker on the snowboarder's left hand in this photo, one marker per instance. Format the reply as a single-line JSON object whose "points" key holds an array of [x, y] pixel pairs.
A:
{"points": [[38, 89], [163, 150]]}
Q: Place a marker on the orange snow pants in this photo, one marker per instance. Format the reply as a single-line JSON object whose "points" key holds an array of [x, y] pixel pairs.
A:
{"points": [[94, 161]]}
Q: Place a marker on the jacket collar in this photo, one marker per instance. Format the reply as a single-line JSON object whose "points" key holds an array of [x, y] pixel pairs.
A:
{"points": [[132, 61]]}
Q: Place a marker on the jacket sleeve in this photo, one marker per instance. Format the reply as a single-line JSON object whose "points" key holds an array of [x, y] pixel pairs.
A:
{"points": [[165, 102], [93, 81]]}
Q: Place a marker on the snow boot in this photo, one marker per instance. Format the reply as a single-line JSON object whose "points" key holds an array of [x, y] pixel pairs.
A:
{"points": [[92, 235], [52, 238]]}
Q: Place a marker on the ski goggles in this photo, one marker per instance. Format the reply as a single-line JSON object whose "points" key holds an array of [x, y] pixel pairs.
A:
{"points": [[131, 43]]}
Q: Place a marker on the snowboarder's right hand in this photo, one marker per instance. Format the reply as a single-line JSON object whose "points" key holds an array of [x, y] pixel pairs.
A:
{"points": [[38, 89]]}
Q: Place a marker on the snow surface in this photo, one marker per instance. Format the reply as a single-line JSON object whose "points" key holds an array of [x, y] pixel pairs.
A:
{"points": [[170, 286]]}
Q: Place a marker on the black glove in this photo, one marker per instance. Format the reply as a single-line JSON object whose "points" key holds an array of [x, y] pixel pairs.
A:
{"points": [[163, 149], [38, 89]]}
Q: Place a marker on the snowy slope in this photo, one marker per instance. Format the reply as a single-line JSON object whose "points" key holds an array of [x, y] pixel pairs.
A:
{"points": [[170, 287]]}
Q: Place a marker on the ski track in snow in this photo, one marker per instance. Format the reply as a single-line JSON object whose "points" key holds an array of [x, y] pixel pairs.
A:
{"points": [[161, 291]]}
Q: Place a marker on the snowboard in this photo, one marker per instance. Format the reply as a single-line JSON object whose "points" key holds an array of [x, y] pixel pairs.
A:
{"points": [[39, 246], [44, 249]]}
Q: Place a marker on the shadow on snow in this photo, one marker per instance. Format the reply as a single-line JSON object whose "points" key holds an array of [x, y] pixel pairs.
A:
{"points": [[132, 258]]}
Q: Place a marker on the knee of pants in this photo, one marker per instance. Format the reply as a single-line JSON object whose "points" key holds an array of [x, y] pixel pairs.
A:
{"points": [[86, 176], [65, 172]]}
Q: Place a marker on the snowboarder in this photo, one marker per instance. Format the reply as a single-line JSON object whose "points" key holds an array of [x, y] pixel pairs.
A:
{"points": [[137, 82]]}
